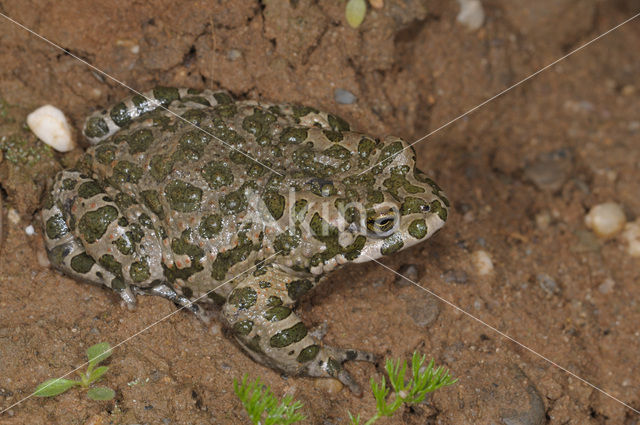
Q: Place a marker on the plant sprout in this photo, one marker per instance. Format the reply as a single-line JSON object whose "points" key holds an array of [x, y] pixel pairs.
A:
{"points": [[96, 354]]}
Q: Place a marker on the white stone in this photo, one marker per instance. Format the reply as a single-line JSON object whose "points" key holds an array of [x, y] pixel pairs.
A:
{"points": [[29, 230], [481, 260], [631, 235], [471, 14], [606, 219], [51, 126]]}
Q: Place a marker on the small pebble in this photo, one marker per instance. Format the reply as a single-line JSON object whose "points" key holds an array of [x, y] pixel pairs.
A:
{"points": [[330, 386], [51, 126], [631, 235], [13, 216], [471, 14], [42, 259], [543, 220], [423, 310], [548, 283], [409, 274], [549, 171], [344, 97], [606, 219], [234, 54], [607, 286], [455, 276], [482, 262], [376, 4], [29, 230]]}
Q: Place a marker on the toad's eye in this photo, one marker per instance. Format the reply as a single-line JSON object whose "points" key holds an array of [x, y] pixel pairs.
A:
{"points": [[381, 225]]}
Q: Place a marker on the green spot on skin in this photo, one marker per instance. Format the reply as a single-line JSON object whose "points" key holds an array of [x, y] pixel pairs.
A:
{"points": [[293, 135], [259, 124], [338, 124], [124, 245], [118, 283], [161, 167], [183, 196], [120, 115], [338, 152], [275, 203], [47, 204], [69, 184], [307, 354], [93, 224], [96, 127], [166, 95], [140, 141], [217, 175], [234, 202], [151, 199], [288, 336], [193, 143], [254, 344], [126, 172], [186, 291], [273, 301], [276, 314], [392, 244], [412, 205], [243, 298], [109, 262], [210, 226], [56, 227], [436, 207], [139, 271], [366, 147], [264, 284], [89, 189], [387, 155], [243, 327], [222, 98], [217, 299], [300, 111], [333, 136], [297, 288], [124, 201], [418, 229], [105, 154], [58, 253], [287, 241], [82, 263]]}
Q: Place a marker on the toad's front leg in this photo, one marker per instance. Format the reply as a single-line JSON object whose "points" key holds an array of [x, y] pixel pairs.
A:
{"points": [[259, 310]]}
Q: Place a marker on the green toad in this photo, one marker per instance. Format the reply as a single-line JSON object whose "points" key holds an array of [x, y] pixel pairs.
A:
{"points": [[247, 210]]}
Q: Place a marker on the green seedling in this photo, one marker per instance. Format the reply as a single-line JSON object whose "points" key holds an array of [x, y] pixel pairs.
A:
{"points": [[258, 401], [423, 381], [355, 11], [96, 355]]}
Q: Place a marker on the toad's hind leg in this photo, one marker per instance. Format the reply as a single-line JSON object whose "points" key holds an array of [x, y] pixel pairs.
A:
{"points": [[259, 311], [66, 252]]}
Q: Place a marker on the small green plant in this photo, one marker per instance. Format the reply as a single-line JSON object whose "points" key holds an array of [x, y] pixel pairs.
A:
{"points": [[422, 381], [96, 355], [258, 400], [355, 11]]}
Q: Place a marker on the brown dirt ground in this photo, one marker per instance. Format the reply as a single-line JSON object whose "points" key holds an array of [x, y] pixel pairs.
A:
{"points": [[412, 68]]}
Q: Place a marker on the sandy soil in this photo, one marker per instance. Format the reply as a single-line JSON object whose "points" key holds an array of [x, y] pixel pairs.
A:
{"points": [[521, 172]]}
